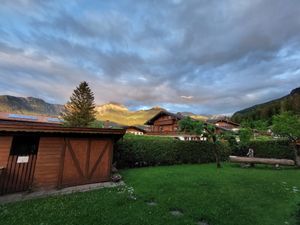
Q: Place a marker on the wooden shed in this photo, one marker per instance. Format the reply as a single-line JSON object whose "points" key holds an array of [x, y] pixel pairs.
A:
{"points": [[47, 156]]}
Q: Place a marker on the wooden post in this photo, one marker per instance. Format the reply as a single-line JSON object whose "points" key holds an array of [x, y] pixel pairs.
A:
{"points": [[61, 166]]}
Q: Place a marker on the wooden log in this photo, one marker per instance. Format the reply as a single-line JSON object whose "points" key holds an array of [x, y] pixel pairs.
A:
{"points": [[283, 162]]}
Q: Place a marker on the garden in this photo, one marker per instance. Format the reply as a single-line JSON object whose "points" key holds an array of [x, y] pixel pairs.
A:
{"points": [[179, 194], [173, 182]]}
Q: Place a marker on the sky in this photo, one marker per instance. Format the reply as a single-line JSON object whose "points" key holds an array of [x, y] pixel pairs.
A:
{"points": [[201, 56]]}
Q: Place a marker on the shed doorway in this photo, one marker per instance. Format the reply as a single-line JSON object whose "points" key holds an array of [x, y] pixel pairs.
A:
{"points": [[18, 174], [85, 161]]}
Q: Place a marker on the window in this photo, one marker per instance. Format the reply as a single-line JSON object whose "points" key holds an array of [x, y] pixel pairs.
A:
{"points": [[24, 145]]}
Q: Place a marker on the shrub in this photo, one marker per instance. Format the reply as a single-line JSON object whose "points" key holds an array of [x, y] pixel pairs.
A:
{"points": [[135, 151], [279, 149]]}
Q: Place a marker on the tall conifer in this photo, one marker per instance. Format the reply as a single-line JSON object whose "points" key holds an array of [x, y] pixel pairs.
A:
{"points": [[80, 109]]}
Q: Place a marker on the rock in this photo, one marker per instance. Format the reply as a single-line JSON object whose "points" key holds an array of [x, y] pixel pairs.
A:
{"points": [[277, 166], [202, 223], [151, 203], [116, 177], [176, 212], [114, 170]]}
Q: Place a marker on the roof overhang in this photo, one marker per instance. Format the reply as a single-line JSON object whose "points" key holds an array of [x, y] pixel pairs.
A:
{"points": [[162, 113], [13, 127], [135, 127]]}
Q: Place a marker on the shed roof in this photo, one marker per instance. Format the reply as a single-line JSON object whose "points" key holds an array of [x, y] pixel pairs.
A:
{"points": [[177, 116], [7, 126], [30, 118]]}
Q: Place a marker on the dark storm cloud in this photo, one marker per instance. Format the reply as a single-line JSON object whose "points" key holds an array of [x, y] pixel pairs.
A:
{"points": [[202, 56]]}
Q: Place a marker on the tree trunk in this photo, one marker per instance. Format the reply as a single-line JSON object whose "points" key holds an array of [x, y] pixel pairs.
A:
{"points": [[218, 161], [284, 162], [296, 154], [217, 156]]}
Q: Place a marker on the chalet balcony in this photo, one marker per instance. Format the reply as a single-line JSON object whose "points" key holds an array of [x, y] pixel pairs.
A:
{"points": [[164, 133], [164, 122]]}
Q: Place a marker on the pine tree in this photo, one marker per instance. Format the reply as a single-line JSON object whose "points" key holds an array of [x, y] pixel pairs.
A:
{"points": [[80, 110]]}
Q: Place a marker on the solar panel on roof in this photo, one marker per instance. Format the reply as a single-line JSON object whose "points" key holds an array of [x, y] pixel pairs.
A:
{"points": [[19, 116], [54, 120]]}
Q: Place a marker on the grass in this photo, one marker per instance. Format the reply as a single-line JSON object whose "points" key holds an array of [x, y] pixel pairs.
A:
{"points": [[227, 196]]}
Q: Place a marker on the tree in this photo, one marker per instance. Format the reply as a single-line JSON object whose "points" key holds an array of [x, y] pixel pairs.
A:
{"points": [[80, 110], [187, 125], [191, 126], [96, 124], [245, 135], [260, 125], [211, 134], [288, 125]]}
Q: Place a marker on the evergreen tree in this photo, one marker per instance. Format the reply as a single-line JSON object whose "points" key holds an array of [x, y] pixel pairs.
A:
{"points": [[80, 110]]}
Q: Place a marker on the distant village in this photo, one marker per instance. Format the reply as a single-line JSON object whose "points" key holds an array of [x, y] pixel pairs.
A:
{"points": [[164, 123]]}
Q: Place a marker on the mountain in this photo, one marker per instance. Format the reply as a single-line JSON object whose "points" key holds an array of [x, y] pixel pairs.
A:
{"points": [[28, 105], [195, 116], [112, 111], [266, 110], [120, 114]]}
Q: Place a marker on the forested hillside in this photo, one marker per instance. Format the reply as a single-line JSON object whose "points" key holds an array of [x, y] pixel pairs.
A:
{"points": [[266, 110]]}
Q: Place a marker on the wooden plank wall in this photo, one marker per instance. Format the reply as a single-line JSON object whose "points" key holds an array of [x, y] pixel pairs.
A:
{"points": [[102, 171], [5, 145], [75, 159], [48, 162], [87, 161]]}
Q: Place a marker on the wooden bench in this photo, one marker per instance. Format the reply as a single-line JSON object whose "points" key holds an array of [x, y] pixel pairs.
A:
{"points": [[254, 160]]}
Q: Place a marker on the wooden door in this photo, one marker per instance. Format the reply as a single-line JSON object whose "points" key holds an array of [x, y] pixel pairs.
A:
{"points": [[85, 161], [18, 174]]}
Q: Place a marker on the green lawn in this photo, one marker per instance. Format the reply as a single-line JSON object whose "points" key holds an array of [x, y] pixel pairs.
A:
{"points": [[227, 196]]}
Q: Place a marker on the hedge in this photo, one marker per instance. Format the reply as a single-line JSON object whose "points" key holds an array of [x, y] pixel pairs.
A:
{"points": [[279, 149], [136, 151]]}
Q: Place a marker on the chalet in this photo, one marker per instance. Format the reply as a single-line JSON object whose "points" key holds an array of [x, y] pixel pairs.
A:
{"points": [[43, 155], [224, 124], [164, 123], [134, 130]]}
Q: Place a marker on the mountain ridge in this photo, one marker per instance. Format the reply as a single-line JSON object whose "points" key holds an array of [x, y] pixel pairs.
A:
{"points": [[112, 111], [28, 105], [265, 111]]}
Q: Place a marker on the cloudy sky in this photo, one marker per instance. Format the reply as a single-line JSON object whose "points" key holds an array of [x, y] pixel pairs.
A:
{"points": [[202, 56]]}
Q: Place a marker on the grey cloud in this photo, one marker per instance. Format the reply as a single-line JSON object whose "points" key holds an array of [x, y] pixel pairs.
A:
{"points": [[228, 55]]}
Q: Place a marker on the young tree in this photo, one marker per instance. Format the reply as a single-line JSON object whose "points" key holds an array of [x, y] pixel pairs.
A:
{"points": [[186, 124], [80, 110], [191, 126], [245, 135], [288, 125], [211, 134]]}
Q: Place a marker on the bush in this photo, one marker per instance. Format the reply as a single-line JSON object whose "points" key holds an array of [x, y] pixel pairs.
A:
{"points": [[136, 151], [279, 149]]}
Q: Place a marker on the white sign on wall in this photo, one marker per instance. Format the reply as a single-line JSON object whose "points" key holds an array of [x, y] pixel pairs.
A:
{"points": [[23, 159]]}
